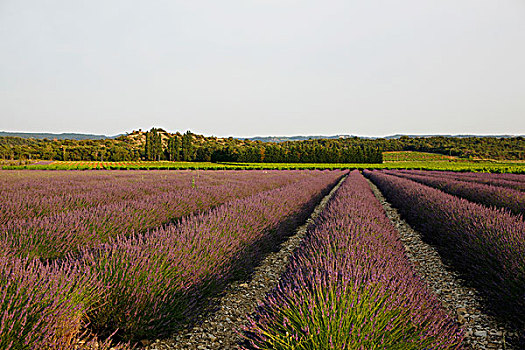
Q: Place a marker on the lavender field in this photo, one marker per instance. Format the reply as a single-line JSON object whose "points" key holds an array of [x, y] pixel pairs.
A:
{"points": [[476, 188], [350, 286], [110, 259], [83, 210], [485, 244]]}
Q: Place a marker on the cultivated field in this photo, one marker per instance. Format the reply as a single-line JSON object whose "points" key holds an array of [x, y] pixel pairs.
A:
{"points": [[393, 160], [101, 259]]}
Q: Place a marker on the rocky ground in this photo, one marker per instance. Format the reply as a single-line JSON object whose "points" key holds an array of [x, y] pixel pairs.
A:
{"points": [[222, 328], [482, 330]]}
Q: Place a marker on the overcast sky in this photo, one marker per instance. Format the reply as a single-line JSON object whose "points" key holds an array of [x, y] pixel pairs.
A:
{"points": [[263, 67]]}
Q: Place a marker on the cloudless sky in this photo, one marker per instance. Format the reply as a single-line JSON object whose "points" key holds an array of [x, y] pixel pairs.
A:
{"points": [[263, 67]]}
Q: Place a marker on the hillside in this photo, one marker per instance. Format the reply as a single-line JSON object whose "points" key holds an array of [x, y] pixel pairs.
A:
{"points": [[52, 136]]}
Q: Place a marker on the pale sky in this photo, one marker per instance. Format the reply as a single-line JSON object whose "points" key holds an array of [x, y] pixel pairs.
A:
{"points": [[263, 67]]}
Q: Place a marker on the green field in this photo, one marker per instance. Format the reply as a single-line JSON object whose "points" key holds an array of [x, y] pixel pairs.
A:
{"points": [[393, 160]]}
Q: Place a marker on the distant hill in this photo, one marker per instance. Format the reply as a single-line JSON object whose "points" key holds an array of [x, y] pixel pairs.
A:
{"points": [[397, 136], [278, 139], [298, 138], [51, 136], [391, 137]]}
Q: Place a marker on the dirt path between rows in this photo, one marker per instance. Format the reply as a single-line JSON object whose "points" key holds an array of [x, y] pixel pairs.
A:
{"points": [[222, 329], [462, 302]]}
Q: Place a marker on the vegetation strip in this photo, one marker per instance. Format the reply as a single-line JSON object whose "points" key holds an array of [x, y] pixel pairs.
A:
{"points": [[485, 194], [220, 328], [350, 286], [456, 166], [481, 330], [487, 246]]}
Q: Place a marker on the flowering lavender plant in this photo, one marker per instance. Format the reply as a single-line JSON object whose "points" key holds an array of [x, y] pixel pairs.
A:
{"points": [[487, 194], [139, 285], [513, 181], [66, 227]]}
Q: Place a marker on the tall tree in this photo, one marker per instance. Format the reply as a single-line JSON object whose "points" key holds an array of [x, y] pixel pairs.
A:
{"points": [[148, 148], [174, 148], [157, 145], [187, 146], [153, 147]]}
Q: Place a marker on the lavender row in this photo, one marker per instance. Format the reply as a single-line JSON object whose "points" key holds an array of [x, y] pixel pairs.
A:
{"points": [[492, 196], [144, 286], [351, 286], [486, 245], [26, 194], [56, 235], [501, 180], [45, 193]]}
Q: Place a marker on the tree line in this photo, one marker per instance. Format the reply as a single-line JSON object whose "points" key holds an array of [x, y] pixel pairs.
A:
{"points": [[16, 148], [157, 144], [183, 148]]}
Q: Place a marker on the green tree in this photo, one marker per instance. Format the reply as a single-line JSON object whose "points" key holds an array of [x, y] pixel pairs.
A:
{"points": [[174, 148], [187, 146], [153, 147]]}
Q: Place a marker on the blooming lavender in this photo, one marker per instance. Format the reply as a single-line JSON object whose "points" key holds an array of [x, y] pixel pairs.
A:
{"points": [[490, 195], [29, 194], [158, 199], [351, 286], [156, 281], [141, 280], [513, 181], [43, 306], [486, 245]]}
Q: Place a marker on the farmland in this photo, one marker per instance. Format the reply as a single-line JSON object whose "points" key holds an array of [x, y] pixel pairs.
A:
{"points": [[484, 243], [118, 259], [392, 160]]}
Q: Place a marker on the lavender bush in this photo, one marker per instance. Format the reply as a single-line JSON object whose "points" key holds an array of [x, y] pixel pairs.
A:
{"points": [[29, 194], [486, 245], [44, 306], [350, 286], [139, 285]]}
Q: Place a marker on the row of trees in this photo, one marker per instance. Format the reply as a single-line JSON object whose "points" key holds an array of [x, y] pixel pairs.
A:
{"points": [[302, 153], [68, 151], [499, 148], [178, 148], [184, 148]]}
